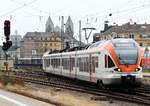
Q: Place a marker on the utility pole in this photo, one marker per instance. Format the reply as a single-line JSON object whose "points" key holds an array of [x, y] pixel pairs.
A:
{"points": [[62, 31], [88, 36], [6, 46], [16, 46], [80, 33], [62, 35]]}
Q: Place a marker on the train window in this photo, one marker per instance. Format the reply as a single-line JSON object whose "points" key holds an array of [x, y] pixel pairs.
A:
{"points": [[81, 68], [72, 63], [86, 64], [55, 63], [110, 62], [38, 61], [78, 62], [66, 63], [58, 62], [106, 61], [83, 64], [52, 62], [47, 62], [62, 62], [124, 45], [94, 63]]}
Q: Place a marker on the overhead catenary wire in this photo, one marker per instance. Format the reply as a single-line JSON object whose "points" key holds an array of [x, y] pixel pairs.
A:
{"points": [[20, 3], [18, 8], [28, 5], [91, 18]]}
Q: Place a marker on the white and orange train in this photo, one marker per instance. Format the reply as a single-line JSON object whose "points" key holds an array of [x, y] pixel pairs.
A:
{"points": [[111, 62]]}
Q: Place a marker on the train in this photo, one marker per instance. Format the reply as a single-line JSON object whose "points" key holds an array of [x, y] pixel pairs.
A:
{"points": [[106, 63]]}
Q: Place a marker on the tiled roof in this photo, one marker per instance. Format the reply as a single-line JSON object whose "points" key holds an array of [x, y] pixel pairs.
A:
{"points": [[37, 35], [129, 28]]}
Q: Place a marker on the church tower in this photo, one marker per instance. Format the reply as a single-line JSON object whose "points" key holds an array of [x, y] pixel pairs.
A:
{"points": [[69, 28], [49, 25]]}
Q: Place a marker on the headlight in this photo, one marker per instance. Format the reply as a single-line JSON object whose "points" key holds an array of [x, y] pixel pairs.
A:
{"points": [[117, 69], [137, 69]]}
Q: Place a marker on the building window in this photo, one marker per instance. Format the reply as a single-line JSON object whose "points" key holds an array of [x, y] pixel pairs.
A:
{"points": [[33, 52], [131, 36], [30, 38], [141, 44], [148, 35], [141, 36], [52, 38], [58, 39], [48, 38], [43, 39], [148, 44]]}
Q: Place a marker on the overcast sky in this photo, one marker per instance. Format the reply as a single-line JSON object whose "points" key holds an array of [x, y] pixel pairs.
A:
{"points": [[31, 15]]}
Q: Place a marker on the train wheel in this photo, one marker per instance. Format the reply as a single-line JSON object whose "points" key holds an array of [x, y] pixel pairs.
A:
{"points": [[100, 84]]}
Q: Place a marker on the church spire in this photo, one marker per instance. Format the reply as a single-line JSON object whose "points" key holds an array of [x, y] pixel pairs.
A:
{"points": [[69, 27], [49, 25]]}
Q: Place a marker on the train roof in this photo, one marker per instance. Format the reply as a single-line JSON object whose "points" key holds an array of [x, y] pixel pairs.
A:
{"points": [[29, 58], [113, 41], [96, 44], [92, 46]]}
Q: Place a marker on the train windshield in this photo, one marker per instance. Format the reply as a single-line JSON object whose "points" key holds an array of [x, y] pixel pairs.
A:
{"points": [[126, 53]]}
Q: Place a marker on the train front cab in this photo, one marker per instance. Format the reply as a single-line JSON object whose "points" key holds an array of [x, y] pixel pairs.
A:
{"points": [[123, 66]]}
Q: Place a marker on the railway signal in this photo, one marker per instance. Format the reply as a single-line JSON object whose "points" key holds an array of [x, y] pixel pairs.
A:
{"points": [[7, 44], [7, 29]]}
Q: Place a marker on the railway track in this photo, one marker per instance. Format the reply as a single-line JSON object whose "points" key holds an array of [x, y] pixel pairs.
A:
{"points": [[140, 95]]}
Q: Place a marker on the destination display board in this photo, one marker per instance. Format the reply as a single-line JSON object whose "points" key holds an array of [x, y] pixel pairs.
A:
{"points": [[124, 45]]}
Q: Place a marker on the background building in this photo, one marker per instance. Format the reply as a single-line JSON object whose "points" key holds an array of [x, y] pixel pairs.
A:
{"points": [[139, 32], [34, 44], [68, 36], [69, 27], [14, 50], [1, 52], [15, 40], [49, 27]]}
